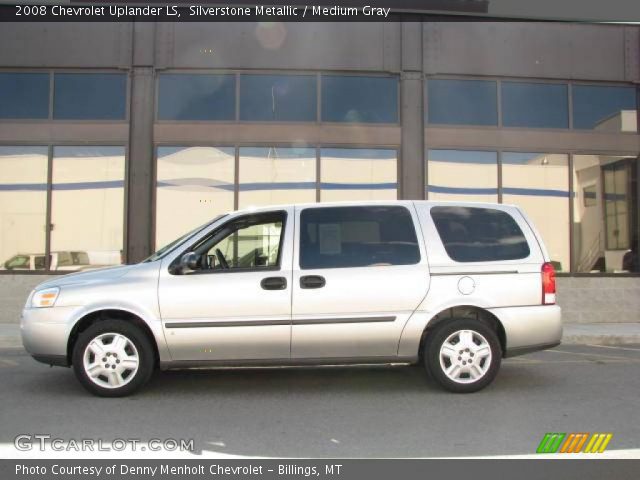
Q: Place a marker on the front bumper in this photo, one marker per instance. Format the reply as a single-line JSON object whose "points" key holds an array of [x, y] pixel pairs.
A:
{"points": [[45, 333], [528, 329]]}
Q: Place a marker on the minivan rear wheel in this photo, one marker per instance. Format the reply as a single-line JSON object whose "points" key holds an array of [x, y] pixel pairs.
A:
{"points": [[462, 355], [113, 358]]}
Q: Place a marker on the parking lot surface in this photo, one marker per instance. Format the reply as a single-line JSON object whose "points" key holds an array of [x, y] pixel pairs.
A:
{"points": [[360, 411]]}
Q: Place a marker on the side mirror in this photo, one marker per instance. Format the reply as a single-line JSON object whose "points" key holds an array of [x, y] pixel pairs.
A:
{"points": [[189, 261]]}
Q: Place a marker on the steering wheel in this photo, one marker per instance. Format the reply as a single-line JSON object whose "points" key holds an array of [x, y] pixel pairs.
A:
{"points": [[223, 261]]}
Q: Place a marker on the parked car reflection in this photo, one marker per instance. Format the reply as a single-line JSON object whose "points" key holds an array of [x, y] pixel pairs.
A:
{"points": [[61, 261]]}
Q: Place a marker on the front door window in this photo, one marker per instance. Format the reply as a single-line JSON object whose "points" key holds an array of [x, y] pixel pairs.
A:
{"points": [[248, 243]]}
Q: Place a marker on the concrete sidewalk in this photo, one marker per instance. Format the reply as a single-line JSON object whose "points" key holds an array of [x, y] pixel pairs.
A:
{"points": [[601, 333], [574, 334]]}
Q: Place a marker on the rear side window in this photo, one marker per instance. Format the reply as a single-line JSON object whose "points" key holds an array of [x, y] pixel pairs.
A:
{"points": [[472, 234], [341, 237]]}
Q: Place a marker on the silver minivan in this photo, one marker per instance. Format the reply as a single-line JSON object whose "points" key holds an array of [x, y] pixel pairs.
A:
{"points": [[453, 286]]}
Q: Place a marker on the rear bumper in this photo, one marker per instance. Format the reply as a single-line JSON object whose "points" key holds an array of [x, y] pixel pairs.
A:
{"points": [[528, 329]]}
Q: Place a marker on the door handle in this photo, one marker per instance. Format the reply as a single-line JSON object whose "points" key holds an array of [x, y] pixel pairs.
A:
{"points": [[312, 281], [274, 283]]}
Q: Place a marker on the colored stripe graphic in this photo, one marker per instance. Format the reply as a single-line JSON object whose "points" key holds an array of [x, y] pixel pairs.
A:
{"points": [[550, 442], [598, 442], [573, 442]]}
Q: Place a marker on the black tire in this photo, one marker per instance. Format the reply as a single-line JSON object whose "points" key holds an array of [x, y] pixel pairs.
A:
{"points": [[136, 336], [431, 355]]}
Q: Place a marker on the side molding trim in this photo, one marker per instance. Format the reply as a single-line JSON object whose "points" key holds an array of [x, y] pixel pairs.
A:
{"points": [[262, 323]]}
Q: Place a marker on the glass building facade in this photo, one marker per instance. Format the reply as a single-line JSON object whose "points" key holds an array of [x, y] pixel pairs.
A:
{"points": [[225, 136]]}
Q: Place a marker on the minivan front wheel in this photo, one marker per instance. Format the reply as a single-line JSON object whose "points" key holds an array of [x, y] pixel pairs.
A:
{"points": [[462, 355], [113, 358]]}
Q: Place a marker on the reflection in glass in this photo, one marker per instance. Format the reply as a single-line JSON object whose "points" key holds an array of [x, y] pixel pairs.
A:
{"points": [[462, 102], [248, 247], [358, 174], [347, 237], [605, 228], [605, 108], [23, 206], [90, 96], [194, 184], [87, 207], [275, 175], [359, 99], [285, 98], [196, 97], [464, 175], [539, 184], [474, 234], [24, 95], [534, 105]]}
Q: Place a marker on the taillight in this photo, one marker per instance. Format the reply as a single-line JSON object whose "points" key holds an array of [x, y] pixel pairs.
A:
{"points": [[548, 284]]}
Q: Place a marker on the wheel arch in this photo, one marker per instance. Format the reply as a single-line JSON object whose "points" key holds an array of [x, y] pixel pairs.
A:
{"points": [[469, 312], [110, 314]]}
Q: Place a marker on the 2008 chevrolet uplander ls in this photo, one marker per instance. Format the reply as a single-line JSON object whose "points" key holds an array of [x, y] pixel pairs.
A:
{"points": [[455, 286]]}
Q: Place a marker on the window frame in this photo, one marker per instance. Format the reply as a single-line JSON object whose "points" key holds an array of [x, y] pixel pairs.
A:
{"points": [[299, 72], [602, 84], [482, 149], [221, 229], [571, 152], [569, 199], [535, 82], [49, 74], [127, 94], [398, 112], [618, 153], [276, 73], [49, 189], [496, 82], [238, 145], [194, 73], [528, 237], [333, 146], [154, 174], [541, 80], [414, 224], [275, 145], [91, 121]]}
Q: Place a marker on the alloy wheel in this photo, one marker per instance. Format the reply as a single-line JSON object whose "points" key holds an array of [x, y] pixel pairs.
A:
{"points": [[111, 360], [465, 356]]}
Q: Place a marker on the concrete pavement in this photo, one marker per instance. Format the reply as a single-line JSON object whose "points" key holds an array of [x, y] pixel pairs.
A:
{"points": [[382, 411]]}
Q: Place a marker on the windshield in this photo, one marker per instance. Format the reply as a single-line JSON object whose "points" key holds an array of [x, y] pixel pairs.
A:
{"points": [[169, 247], [18, 261]]}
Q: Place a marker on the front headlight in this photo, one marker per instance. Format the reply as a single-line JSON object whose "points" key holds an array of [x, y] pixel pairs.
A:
{"points": [[45, 298]]}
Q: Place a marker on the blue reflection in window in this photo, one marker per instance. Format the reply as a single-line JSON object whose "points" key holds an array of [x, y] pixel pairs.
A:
{"points": [[288, 98], [463, 156], [536, 105], [196, 97], [24, 95], [359, 99], [462, 102], [473, 185], [594, 104], [90, 96]]}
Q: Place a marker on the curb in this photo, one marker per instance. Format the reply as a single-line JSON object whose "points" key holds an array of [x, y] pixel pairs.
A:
{"points": [[10, 335], [10, 342], [605, 340]]}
